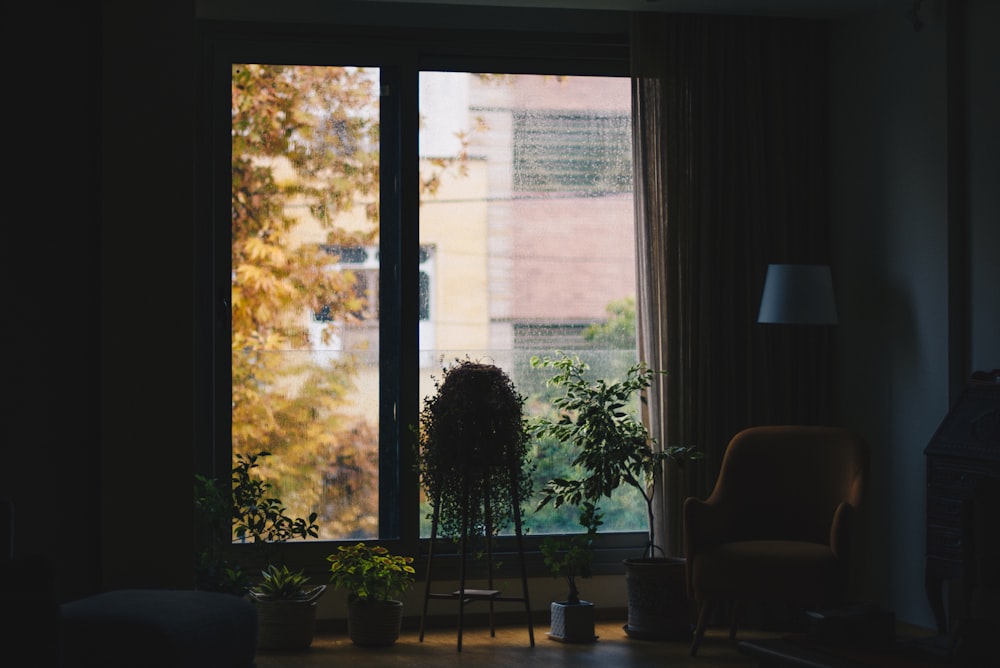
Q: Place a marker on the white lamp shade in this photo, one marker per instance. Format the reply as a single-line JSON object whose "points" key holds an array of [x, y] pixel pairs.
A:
{"points": [[798, 294]]}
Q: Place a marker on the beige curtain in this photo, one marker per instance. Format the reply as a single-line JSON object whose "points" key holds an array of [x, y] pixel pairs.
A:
{"points": [[730, 163]]}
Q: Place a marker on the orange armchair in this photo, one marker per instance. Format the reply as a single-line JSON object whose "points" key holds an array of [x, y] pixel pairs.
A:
{"points": [[778, 524]]}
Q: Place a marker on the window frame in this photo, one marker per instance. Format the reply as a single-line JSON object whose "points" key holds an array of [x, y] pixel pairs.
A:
{"points": [[400, 57]]}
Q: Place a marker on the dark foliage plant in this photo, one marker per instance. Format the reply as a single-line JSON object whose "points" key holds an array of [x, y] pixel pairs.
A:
{"points": [[243, 510], [473, 447], [258, 516]]}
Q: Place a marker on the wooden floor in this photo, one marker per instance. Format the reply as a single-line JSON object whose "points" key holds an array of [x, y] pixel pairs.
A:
{"points": [[511, 647]]}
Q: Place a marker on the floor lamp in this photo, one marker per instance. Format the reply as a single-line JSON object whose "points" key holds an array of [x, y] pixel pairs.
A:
{"points": [[798, 294], [802, 294]]}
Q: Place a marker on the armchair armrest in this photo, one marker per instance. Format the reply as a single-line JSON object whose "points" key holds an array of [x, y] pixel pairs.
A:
{"points": [[840, 530]]}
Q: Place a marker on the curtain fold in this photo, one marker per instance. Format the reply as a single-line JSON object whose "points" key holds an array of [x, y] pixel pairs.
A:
{"points": [[730, 155]]}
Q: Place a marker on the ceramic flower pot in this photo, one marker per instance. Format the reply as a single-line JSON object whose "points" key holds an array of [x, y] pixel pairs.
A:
{"points": [[374, 623], [572, 622]]}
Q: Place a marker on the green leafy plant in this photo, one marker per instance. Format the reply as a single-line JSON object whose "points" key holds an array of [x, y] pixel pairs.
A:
{"points": [[570, 557], [245, 512], [612, 445], [215, 569], [280, 583], [370, 573], [259, 517]]}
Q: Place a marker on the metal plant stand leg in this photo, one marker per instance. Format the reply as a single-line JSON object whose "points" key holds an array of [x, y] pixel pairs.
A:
{"points": [[524, 572], [430, 560]]}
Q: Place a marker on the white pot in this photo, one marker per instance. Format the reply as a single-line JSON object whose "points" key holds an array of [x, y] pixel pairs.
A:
{"points": [[572, 622]]}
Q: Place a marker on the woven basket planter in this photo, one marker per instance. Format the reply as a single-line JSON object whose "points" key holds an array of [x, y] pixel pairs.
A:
{"points": [[658, 608], [374, 624], [285, 625]]}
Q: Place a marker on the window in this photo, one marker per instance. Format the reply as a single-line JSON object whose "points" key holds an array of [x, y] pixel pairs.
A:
{"points": [[304, 287], [374, 237], [585, 151], [534, 235]]}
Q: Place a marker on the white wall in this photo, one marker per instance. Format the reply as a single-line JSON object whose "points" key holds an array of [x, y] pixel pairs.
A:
{"points": [[889, 207], [982, 21]]}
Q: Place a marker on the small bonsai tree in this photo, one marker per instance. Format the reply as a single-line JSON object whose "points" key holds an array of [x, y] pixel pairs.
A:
{"points": [[245, 512], [571, 557], [613, 446]]}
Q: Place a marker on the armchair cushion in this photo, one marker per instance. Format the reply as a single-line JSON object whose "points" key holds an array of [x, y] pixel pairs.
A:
{"points": [[794, 571]]}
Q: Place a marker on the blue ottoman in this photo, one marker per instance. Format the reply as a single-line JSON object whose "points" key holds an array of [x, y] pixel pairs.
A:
{"points": [[157, 628]]}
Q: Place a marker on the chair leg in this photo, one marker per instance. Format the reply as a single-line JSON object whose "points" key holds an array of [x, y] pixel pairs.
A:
{"points": [[704, 612], [735, 610]]}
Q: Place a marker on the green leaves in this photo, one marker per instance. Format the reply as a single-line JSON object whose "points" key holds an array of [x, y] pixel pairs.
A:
{"points": [[260, 518], [280, 582], [612, 444], [473, 449], [245, 512], [598, 422], [370, 572]]}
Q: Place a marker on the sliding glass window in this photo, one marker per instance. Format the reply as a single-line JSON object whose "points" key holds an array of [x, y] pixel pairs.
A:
{"points": [[381, 223], [531, 238]]}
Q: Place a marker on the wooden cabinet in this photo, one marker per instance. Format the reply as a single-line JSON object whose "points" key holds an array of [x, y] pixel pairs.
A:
{"points": [[965, 447]]}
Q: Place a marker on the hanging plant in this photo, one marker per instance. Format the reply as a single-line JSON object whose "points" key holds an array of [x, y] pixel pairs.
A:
{"points": [[473, 446]]}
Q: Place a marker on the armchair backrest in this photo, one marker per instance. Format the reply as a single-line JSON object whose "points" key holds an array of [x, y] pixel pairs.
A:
{"points": [[787, 482]]}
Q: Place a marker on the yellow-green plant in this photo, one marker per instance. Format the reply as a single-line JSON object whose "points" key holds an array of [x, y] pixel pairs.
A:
{"points": [[370, 573]]}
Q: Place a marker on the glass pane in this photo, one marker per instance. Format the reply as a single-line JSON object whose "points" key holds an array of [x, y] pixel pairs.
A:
{"points": [[530, 241], [305, 271]]}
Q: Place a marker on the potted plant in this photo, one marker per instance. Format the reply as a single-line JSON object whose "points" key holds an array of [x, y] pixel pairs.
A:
{"points": [[572, 620], [286, 608], [473, 448], [249, 514], [373, 579], [473, 457], [614, 448]]}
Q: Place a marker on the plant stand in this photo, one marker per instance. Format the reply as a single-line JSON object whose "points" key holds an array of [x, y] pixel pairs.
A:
{"points": [[658, 607], [474, 447], [465, 595], [572, 622]]}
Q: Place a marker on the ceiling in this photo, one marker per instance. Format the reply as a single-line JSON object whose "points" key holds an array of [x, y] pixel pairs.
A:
{"points": [[797, 8]]}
